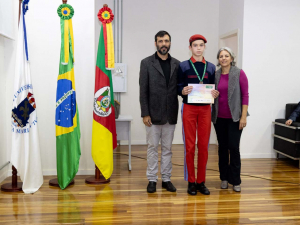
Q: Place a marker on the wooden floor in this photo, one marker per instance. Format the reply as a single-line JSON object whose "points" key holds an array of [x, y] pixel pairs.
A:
{"points": [[270, 195]]}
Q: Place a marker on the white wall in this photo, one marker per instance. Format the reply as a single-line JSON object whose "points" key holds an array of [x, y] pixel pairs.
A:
{"points": [[7, 18], [230, 19], [3, 149], [271, 55], [7, 60], [142, 20]]}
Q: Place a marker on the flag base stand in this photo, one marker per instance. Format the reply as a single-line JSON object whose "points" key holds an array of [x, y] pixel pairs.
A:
{"points": [[97, 179], [14, 186], [10, 188], [54, 183]]}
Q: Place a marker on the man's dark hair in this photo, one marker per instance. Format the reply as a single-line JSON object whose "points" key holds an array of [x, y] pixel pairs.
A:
{"points": [[162, 33]]}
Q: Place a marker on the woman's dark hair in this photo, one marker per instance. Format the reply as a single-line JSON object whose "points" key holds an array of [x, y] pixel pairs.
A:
{"points": [[162, 33]]}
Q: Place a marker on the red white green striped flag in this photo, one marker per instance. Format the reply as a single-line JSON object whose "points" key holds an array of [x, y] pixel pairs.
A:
{"points": [[104, 137]]}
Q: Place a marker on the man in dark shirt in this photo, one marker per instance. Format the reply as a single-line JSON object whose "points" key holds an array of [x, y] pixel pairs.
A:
{"points": [[294, 115], [159, 109], [196, 117]]}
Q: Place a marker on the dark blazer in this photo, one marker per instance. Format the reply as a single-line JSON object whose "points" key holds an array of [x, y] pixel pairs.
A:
{"points": [[157, 100]]}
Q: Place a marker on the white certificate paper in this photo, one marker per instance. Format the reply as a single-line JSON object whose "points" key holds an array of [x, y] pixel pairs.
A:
{"points": [[201, 93]]}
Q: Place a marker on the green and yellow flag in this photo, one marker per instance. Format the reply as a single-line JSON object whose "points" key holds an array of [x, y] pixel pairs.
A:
{"points": [[67, 116]]}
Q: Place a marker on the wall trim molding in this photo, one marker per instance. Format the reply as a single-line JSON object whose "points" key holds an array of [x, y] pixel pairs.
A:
{"points": [[143, 142], [259, 155], [3, 175], [52, 172], [80, 172]]}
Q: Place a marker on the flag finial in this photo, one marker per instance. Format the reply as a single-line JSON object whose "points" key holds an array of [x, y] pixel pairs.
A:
{"points": [[64, 1], [105, 5]]}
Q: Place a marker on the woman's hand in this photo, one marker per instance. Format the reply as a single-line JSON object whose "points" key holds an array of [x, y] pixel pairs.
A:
{"points": [[243, 122], [186, 90], [288, 122], [215, 93]]}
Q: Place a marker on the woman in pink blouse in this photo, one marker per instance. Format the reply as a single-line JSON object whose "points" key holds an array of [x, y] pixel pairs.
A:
{"points": [[229, 115]]}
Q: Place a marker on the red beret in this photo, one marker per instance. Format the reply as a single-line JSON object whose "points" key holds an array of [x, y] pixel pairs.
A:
{"points": [[197, 37]]}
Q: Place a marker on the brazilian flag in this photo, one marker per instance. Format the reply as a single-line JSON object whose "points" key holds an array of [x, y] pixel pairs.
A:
{"points": [[67, 116]]}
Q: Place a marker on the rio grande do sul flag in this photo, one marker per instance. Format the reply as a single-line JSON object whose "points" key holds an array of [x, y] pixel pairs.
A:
{"points": [[25, 151], [104, 137], [66, 116]]}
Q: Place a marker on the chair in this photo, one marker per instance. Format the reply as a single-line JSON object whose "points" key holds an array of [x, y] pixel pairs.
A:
{"points": [[287, 138]]}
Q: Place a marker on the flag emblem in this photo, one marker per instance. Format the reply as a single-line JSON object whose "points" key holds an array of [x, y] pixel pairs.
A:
{"points": [[21, 113], [102, 103], [65, 103]]}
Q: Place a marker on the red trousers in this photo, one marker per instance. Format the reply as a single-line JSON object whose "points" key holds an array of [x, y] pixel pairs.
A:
{"points": [[196, 120]]}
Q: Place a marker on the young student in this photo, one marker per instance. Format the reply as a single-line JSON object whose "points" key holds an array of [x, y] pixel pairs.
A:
{"points": [[196, 117]]}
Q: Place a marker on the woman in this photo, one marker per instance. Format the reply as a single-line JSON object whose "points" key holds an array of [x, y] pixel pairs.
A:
{"points": [[229, 115]]}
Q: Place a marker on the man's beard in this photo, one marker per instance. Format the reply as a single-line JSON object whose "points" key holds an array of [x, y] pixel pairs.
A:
{"points": [[163, 51]]}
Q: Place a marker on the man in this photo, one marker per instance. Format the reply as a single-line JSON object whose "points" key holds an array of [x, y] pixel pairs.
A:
{"points": [[196, 118], [294, 115], [159, 109]]}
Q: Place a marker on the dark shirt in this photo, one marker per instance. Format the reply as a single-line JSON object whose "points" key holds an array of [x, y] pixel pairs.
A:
{"points": [[187, 75], [166, 67]]}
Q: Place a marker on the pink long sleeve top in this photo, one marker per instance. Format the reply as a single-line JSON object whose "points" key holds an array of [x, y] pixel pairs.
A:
{"points": [[224, 111]]}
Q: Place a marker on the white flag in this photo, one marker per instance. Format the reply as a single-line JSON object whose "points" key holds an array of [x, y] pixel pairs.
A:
{"points": [[25, 155]]}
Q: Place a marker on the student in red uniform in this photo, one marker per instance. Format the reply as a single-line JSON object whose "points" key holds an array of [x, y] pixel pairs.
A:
{"points": [[196, 117]]}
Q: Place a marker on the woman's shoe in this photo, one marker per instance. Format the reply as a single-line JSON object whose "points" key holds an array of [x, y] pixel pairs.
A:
{"points": [[237, 188], [224, 184]]}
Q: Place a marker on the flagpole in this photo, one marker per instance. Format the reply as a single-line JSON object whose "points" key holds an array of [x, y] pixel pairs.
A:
{"points": [[97, 179], [14, 186], [20, 2]]}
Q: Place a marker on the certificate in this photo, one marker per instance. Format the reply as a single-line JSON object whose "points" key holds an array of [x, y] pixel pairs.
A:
{"points": [[201, 93]]}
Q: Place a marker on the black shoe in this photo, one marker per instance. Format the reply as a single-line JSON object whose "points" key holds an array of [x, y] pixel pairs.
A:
{"points": [[169, 186], [203, 190], [192, 190], [151, 188]]}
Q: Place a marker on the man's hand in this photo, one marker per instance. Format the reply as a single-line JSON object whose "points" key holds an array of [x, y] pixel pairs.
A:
{"points": [[186, 90], [147, 121], [288, 122], [215, 93]]}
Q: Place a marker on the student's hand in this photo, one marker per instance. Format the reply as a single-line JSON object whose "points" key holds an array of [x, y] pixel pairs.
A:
{"points": [[288, 122], [215, 93], [186, 90], [147, 121], [243, 123]]}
